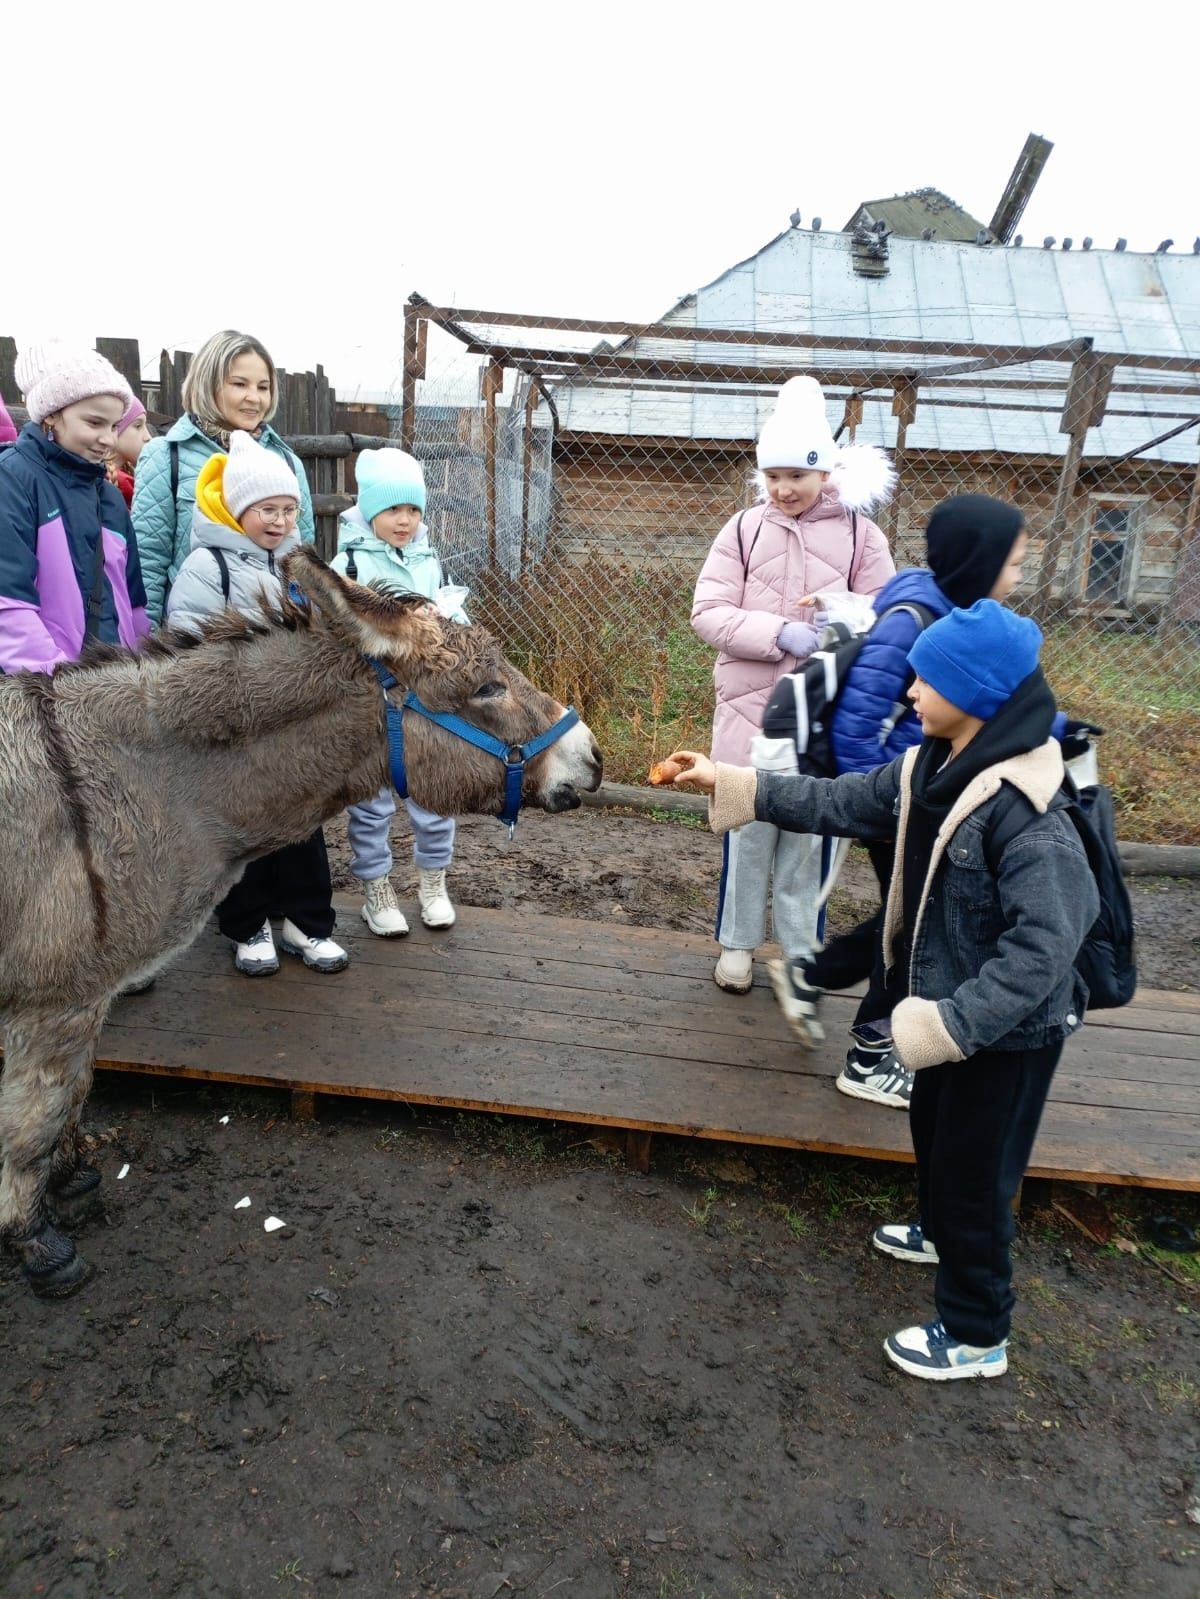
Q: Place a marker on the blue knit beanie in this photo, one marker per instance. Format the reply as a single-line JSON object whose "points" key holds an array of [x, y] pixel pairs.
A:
{"points": [[386, 478], [977, 659]]}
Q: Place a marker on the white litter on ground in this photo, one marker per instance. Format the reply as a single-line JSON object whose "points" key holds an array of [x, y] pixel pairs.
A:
{"points": [[273, 1224], [124, 1172], [224, 1121], [243, 1204]]}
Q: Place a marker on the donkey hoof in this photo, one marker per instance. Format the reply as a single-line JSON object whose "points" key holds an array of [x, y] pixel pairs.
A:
{"points": [[77, 1198], [57, 1282], [51, 1265]]}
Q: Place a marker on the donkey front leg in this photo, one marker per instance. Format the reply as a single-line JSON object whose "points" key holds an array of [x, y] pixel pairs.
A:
{"points": [[73, 1190], [47, 1061]]}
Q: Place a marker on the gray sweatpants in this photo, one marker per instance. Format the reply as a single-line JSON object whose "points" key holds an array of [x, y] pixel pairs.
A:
{"points": [[369, 829], [759, 858]]}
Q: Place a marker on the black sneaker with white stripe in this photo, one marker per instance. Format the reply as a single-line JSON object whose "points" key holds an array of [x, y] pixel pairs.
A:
{"points": [[875, 1073]]}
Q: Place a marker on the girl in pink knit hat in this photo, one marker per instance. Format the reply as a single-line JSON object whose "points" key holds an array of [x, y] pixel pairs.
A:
{"points": [[132, 432], [69, 568]]}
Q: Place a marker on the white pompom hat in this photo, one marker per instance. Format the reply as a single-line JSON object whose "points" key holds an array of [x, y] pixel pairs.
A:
{"points": [[797, 433], [253, 473]]}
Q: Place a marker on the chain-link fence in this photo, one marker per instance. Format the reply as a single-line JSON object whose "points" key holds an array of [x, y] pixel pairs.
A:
{"points": [[579, 470]]}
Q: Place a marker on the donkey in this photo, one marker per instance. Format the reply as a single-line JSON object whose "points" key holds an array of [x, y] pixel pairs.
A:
{"points": [[136, 786]]}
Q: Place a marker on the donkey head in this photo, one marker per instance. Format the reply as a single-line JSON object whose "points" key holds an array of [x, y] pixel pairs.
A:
{"points": [[460, 670]]}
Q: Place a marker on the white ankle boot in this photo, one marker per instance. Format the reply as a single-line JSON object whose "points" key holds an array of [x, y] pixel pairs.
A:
{"points": [[381, 911], [318, 954], [436, 909], [734, 972]]}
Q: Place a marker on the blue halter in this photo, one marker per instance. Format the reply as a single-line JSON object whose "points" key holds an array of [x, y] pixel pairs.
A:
{"points": [[514, 756]]}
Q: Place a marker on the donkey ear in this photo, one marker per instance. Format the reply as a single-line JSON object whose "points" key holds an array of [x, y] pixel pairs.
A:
{"points": [[394, 627]]}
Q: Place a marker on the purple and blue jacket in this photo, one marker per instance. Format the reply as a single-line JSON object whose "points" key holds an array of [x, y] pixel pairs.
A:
{"points": [[53, 508]]}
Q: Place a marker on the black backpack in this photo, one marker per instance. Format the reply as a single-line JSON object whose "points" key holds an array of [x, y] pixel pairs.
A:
{"points": [[802, 703], [1106, 959]]}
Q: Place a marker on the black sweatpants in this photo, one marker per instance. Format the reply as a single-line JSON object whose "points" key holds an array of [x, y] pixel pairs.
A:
{"points": [[292, 882], [973, 1125], [854, 955]]}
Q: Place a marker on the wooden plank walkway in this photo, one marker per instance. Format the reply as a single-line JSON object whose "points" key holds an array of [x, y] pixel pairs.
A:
{"points": [[622, 1026]]}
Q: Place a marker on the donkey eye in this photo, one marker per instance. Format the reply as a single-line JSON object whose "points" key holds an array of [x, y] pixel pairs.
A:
{"points": [[490, 691]]}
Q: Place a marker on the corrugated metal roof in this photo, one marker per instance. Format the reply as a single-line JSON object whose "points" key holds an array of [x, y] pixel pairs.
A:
{"points": [[1129, 304]]}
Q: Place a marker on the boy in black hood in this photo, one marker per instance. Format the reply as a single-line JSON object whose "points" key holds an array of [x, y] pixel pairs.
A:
{"points": [[979, 944]]}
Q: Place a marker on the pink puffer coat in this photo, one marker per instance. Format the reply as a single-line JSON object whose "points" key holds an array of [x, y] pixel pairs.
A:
{"points": [[740, 612]]}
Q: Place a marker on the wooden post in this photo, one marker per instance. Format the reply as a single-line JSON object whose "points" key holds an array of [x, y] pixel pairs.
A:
{"points": [[491, 381], [125, 356], [414, 368], [1087, 396], [9, 392], [531, 401], [304, 1106], [904, 407], [637, 1149], [853, 414], [1183, 604], [168, 400]]}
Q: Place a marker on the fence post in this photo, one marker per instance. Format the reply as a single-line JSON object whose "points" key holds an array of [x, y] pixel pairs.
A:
{"points": [[904, 407], [8, 360], [1087, 396], [531, 401], [492, 380], [125, 356], [414, 368]]}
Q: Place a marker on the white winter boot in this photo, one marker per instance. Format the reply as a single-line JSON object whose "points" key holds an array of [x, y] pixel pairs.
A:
{"points": [[381, 911], [734, 972], [436, 909]]}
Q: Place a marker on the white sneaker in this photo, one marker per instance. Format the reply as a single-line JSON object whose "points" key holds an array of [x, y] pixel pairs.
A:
{"points": [[905, 1241], [257, 957], [322, 954], [734, 972], [381, 910], [930, 1352], [436, 909]]}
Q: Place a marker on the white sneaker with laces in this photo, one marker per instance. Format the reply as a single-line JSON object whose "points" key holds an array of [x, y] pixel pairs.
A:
{"points": [[321, 954], [436, 909], [257, 957], [905, 1241], [799, 1003], [931, 1352], [381, 910], [734, 972]]}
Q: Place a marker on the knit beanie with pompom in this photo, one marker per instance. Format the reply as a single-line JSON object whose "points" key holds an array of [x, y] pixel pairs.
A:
{"points": [[253, 473], [56, 374]]}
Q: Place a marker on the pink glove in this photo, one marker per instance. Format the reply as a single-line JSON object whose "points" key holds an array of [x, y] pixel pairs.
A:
{"points": [[797, 638]]}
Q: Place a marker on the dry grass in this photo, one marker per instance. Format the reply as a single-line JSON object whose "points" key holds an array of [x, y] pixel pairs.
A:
{"points": [[615, 641]]}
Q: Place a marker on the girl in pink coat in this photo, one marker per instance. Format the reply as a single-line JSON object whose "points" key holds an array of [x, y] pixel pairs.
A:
{"points": [[754, 603]]}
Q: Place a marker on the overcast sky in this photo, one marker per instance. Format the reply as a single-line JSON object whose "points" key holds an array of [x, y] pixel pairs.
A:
{"points": [[297, 170]]}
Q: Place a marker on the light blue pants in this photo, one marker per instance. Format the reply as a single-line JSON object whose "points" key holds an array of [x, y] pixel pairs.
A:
{"points": [[369, 829], [761, 859]]}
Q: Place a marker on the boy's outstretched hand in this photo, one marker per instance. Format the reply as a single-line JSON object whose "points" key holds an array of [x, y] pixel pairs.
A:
{"points": [[698, 771]]}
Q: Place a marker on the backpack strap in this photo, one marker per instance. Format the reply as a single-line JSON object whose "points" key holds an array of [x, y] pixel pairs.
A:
{"points": [[853, 550], [744, 554], [173, 448], [351, 566], [223, 565]]}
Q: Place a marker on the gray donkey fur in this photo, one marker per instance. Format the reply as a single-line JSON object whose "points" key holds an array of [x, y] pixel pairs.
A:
{"points": [[136, 787]]}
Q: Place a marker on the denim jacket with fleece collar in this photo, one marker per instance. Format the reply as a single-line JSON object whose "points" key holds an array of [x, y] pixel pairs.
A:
{"points": [[992, 963]]}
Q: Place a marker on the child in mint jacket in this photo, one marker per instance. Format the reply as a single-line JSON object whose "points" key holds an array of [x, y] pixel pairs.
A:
{"points": [[383, 539]]}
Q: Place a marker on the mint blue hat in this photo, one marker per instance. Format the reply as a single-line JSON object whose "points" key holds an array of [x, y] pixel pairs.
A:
{"points": [[386, 478], [977, 659]]}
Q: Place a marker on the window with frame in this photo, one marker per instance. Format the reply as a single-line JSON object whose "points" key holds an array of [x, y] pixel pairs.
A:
{"points": [[1111, 546]]}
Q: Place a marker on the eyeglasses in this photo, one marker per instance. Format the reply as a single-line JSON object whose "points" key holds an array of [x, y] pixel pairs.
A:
{"points": [[276, 513]]}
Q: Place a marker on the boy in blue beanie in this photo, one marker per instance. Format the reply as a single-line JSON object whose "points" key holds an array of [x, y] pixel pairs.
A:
{"points": [[979, 947]]}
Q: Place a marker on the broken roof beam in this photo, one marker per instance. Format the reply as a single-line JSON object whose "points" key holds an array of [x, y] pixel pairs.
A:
{"points": [[1021, 183]]}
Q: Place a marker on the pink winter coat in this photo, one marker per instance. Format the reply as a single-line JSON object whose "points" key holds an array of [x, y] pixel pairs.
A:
{"points": [[740, 613]]}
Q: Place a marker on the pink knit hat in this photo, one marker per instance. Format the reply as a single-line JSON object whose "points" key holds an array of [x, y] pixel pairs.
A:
{"points": [[135, 410], [56, 374]]}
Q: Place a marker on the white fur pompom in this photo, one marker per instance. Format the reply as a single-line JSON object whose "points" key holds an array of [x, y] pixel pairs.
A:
{"points": [[863, 477]]}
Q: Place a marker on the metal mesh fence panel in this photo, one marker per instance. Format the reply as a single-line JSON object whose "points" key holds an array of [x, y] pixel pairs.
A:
{"points": [[580, 470]]}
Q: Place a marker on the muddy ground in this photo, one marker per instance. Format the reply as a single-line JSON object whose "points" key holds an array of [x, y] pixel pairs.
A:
{"points": [[482, 1358]]}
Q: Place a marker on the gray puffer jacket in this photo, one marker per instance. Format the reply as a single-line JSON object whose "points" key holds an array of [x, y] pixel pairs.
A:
{"points": [[196, 591], [992, 962]]}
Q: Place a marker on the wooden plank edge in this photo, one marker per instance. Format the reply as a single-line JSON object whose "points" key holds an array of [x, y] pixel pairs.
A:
{"points": [[624, 1123]]}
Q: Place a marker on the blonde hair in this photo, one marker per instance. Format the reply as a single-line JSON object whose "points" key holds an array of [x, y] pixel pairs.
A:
{"points": [[210, 367]]}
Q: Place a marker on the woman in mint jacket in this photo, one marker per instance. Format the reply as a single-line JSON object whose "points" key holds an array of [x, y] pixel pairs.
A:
{"points": [[382, 539], [231, 385]]}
